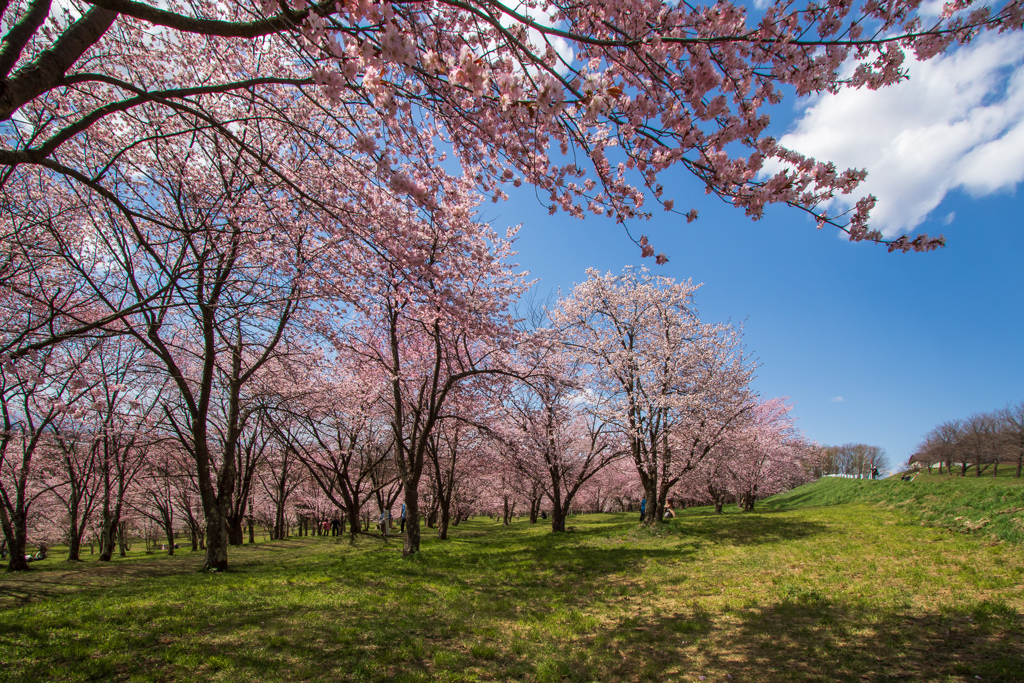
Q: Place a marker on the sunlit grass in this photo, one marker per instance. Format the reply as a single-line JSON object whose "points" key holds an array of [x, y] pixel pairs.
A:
{"points": [[846, 592], [988, 506]]}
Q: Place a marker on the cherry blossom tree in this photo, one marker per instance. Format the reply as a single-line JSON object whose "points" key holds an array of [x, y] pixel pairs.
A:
{"points": [[158, 499], [520, 92], [336, 430], [124, 398], [764, 455], [35, 390], [75, 451], [433, 318], [672, 384], [458, 453], [563, 438], [279, 478]]}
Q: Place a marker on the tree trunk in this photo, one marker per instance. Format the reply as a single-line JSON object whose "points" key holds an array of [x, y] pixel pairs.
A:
{"points": [[279, 530], [216, 541], [535, 509], [108, 531], [236, 533], [557, 519], [17, 539], [74, 547], [353, 513], [650, 516], [411, 545], [442, 526], [169, 533], [122, 541]]}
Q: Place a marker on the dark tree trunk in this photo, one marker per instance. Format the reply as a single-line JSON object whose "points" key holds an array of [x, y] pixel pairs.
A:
{"points": [[74, 548], [17, 539], [442, 527], [236, 533], [75, 531], [411, 545], [169, 533], [650, 515], [108, 531], [216, 541], [122, 540], [535, 509], [353, 520], [557, 519]]}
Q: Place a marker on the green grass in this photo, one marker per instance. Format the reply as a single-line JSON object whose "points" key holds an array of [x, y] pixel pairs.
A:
{"points": [[989, 506], [815, 592]]}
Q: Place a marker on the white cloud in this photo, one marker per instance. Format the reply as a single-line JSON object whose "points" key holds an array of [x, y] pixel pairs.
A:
{"points": [[957, 123], [544, 16], [837, 399]]}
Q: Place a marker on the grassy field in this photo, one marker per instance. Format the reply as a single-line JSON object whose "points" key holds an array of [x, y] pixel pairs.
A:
{"points": [[807, 589]]}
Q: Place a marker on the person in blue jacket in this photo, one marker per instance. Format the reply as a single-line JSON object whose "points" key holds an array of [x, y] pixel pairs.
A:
{"points": [[643, 508]]}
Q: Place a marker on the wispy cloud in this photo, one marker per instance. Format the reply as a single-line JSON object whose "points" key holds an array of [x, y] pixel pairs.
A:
{"points": [[837, 399], [957, 123]]}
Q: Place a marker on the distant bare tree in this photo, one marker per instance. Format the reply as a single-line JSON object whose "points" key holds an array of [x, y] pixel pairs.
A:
{"points": [[855, 459], [1011, 419], [978, 443]]}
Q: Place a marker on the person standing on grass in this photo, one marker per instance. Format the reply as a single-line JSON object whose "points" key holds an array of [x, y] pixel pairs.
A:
{"points": [[643, 508], [385, 517], [403, 518]]}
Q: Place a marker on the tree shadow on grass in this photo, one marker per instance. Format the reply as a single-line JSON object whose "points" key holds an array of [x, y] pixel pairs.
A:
{"points": [[743, 529], [56, 577], [808, 637]]}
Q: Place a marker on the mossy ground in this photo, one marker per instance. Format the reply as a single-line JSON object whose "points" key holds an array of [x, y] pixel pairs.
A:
{"points": [[847, 592]]}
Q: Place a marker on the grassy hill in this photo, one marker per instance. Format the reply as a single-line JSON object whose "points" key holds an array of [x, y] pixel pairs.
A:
{"points": [[992, 507]]}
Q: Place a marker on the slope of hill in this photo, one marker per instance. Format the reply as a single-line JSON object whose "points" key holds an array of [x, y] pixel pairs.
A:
{"points": [[980, 505]]}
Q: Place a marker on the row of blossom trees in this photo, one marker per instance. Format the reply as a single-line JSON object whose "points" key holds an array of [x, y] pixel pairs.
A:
{"points": [[395, 401]]}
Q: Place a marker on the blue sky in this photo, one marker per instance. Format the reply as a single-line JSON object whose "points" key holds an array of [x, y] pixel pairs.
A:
{"points": [[869, 346]]}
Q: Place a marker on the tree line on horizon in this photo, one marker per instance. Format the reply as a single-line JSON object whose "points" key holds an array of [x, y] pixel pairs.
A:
{"points": [[852, 460], [976, 443]]}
